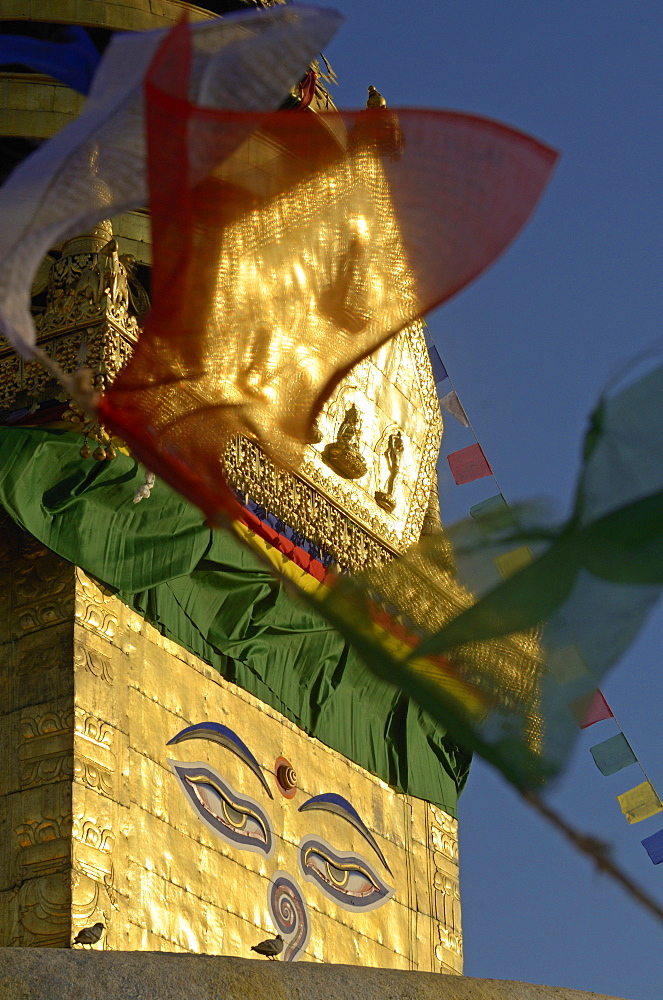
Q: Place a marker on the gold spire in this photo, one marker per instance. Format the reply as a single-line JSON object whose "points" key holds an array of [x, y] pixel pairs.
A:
{"points": [[375, 98]]}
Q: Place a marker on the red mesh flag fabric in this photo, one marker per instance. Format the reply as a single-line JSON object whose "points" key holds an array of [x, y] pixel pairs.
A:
{"points": [[468, 464], [287, 247], [590, 709]]}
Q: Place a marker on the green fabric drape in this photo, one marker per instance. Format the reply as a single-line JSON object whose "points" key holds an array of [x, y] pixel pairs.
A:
{"points": [[206, 592]]}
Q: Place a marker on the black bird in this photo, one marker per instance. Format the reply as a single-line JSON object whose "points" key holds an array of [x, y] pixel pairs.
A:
{"points": [[89, 935], [270, 948]]}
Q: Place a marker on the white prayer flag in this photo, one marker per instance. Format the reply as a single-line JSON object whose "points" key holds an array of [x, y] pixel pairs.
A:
{"points": [[453, 405]]}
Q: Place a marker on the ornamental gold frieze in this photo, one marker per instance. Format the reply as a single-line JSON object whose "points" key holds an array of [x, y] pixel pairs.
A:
{"points": [[97, 612], [444, 834], [39, 590], [44, 845], [304, 508], [45, 752], [87, 305]]}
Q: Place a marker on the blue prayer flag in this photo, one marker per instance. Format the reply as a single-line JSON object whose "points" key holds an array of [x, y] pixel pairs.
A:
{"points": [[654, 847], [613, 754], [439, 371], [72, 61]]}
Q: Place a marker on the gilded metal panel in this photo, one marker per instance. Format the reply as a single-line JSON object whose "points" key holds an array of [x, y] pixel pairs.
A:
{"points": [[186, 889], [100, 829]]}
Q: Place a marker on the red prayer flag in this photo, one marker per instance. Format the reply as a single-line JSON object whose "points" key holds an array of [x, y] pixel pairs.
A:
{"points": [[468, 464], [287, 247], [590, 708]]}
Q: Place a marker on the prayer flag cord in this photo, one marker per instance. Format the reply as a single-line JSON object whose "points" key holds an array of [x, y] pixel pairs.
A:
{"points": [[597, 850]]}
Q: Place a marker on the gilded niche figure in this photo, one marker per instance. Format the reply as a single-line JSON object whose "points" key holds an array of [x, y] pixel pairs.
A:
{"points": [[344, 454], [394, 457]]}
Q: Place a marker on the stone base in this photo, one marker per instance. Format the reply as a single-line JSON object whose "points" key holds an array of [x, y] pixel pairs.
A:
{"points": [[44, 973]]}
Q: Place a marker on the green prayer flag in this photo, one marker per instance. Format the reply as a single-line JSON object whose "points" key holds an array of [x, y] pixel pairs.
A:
{"points": [[494, 510], [613, 754]]}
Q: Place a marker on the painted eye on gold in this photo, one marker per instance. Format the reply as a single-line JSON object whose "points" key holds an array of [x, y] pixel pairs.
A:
{"points": [[346, 878], [233, 817]]}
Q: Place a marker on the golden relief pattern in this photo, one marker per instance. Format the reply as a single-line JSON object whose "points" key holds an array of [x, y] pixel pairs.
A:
{"points": [[443, 832]]}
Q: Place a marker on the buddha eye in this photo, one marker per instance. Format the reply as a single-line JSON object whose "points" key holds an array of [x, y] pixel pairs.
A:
{"points": [[346, 878], [236, 819]]}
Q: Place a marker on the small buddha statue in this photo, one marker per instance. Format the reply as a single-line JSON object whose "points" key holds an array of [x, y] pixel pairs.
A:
{"points": [[344, 454]]}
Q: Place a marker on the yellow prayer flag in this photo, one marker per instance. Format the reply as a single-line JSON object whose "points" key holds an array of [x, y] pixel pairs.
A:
{"points": [[640, 803], [566, 664], [511, 562]]}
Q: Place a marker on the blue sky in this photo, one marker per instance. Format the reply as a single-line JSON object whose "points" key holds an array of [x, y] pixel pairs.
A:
{"points": [[529, 346]]}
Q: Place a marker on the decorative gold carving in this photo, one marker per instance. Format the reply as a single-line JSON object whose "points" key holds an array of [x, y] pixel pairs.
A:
{"points": [[93, 729], [94, 761], [43, 908], [83, 285], [49, 723], [447, 903], [45, 755], [396, 391], [303, 507], [94, 608], [52, 654], [45, 846], [94, 303], [10, 371], [86, 897], [46, 769], [92, 854], [43, 831], [367, 514], [43, 592], [93, 775], [99, 838], [46, 613], [432, 522], [443, 832], [96, 663]]}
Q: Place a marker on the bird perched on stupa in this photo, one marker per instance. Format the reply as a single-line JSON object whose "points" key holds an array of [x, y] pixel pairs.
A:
{"points": [[269, 948], [375, 98], [89, 935]]}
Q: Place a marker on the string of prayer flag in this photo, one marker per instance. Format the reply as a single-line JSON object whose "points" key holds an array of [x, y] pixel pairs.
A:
{"points": [[654, 847], [640, 803], [613, 754], [468, 464]]}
